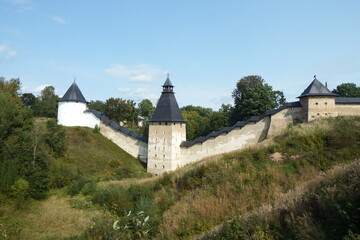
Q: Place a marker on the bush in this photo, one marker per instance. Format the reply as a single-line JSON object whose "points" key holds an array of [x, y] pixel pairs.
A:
{"points": [[20, 191]]}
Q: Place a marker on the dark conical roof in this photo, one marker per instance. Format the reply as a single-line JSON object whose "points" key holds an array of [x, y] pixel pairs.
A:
{"points": [[73, 94], [167, 109], [168, 82], [316, 88]]}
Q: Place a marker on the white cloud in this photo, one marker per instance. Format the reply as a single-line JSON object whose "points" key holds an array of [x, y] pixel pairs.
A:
{"points": [[59, 19], [124, 90], [23, 5], [6, 52], [38, 89], [136, 73], [138, 94]]}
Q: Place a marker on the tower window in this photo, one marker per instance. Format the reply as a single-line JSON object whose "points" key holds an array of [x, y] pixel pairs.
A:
{"points": [[325, 103], [155, 156], [316, 103], [318, 114]]}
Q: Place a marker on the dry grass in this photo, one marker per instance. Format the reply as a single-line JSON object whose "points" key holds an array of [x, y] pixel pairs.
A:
{"points": [[52, 218], [290, 200]]}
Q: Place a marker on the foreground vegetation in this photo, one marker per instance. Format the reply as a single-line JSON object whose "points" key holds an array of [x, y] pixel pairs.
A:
{"points": [[184, 204]]}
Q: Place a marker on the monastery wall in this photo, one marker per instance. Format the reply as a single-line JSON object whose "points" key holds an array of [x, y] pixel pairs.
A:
{"points": [[133, 146], [236, 139], [281, 120], [348, 109]]}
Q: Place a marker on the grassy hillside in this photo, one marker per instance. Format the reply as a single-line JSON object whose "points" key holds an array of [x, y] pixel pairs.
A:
{"points": [[91, 155], [306, 179], [89, 158], [182, 205]]}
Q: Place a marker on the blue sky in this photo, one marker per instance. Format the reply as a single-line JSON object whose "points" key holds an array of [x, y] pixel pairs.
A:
{"points": [[125, 48]]}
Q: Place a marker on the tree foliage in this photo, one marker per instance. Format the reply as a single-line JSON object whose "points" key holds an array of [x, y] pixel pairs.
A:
{"points": [[146, 109], [347, 90], [46, 105], [121, 110], [201, 121], [25, 145], [97, 105], [252, 96]]}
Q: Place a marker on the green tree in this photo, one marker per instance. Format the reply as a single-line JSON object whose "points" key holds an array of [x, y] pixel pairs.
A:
{"points": [[218, 121], [97, 105], [46, 106], [204, 112], [347, 90], [55, 138], [196, 125], [146, 109], [252, 96], [23, 155], [120, 109], [28, 100]]}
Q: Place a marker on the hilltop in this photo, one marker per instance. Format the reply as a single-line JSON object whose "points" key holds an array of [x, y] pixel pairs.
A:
{"points": [[264, 192]]}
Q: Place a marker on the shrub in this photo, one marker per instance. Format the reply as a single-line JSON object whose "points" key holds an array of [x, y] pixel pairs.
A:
{"points": [[20, 191]]}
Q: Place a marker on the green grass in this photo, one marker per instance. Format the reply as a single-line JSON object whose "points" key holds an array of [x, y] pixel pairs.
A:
{"points": [[91, 155], [194, 200], [188, 203]]}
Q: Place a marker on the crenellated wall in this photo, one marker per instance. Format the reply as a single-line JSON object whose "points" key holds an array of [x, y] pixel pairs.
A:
{"points": [[169, 151], [131, 145], [239, 137]]}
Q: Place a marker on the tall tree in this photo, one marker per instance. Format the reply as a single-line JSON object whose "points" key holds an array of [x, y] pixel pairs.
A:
{"points": [[347, 90], [46, 106], [97, 105], [146, 109], [252, 96], [120, 109], [29, 100]]}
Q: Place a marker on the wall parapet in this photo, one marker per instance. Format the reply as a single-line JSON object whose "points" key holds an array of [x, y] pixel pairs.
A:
{"points": [[347, 100], [117, 127], [240, 124]]}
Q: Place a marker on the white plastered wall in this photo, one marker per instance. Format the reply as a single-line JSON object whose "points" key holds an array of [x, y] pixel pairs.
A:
{"points": [[133, 146], [73, 114], [238, 138]]}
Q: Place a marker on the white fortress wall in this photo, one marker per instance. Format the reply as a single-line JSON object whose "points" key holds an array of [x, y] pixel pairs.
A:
{"points": [[91, 120], [71, 114], [281, 120], [131, 145], [236, 139]]}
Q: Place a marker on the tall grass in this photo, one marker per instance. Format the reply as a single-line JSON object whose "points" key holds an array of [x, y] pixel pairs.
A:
{"points": [[190, 203], [326, 208]]}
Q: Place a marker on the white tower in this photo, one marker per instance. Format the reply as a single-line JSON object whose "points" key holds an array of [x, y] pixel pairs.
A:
{"points": [[71, 108], [167, 129]]}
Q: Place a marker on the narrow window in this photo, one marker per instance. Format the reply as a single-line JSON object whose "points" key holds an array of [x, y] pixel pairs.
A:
{"points": [[155, 156], [325, 103], [318, 114], [316, 103]]}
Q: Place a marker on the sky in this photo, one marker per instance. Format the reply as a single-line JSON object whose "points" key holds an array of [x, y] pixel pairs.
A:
{"points": [[125, 48]]}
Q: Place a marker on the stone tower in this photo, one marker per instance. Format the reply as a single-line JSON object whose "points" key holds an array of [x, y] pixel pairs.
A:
{"points": [[167, 129], [317, 101], [71, 108]]}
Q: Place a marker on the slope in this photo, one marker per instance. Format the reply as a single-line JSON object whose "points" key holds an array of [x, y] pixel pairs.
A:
{"points": [[183, 204], [91, 155]]}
